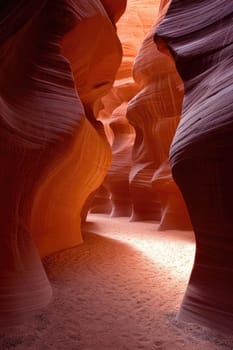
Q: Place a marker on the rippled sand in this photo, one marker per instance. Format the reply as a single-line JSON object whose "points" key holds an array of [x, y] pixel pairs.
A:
{"points": [[120, 290]]}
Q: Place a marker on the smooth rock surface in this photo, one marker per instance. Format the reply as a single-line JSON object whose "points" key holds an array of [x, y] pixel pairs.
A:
{"points": [[53, 152], [200, 37], [155, 112]]}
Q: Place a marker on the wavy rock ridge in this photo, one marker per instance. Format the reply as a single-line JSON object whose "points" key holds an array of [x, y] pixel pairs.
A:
{"points": [[148, 92], [200, 37], [59, 59], [155, 112], [53, 153]]}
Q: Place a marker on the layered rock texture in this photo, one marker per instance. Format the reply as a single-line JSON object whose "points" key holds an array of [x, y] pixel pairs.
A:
{"points": [[131, 29], [200, 37], [57, 60], [155, 112], [145, 102], [117, 179], [67, 128]]}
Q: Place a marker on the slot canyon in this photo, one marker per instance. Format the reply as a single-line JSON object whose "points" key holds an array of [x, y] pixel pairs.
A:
{"points": [[116, 214]]}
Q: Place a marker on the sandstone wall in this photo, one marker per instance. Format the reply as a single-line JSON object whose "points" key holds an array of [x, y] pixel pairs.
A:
{"points": [[200, 38], [58, 59]]}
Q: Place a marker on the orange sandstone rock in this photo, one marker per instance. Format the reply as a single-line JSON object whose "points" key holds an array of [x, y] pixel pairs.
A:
{"points": [[117, 179], [200, 37], [155, 113], [115, 9], [101, 202], [58, 59], [131, 29]]}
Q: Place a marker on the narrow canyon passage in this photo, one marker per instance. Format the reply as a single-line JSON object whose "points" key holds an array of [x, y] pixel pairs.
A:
{"points": [[120, 290], [121, 108]]}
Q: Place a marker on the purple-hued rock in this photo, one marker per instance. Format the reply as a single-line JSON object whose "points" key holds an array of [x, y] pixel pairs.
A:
{"points": [[200, 37]]}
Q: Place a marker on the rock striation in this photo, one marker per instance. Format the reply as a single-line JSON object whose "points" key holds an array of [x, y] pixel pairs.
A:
{"points": [[117, 179], [131, 29], [155, 112], [200, 38], [57, 60]]}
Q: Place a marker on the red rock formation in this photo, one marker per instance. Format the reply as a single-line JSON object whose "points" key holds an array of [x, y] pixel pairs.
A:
{"points": [[53, 75], [131, 29], [155, 112], [115, 9], [93, 68], [200, 37], [117, 179], [101, 202]]}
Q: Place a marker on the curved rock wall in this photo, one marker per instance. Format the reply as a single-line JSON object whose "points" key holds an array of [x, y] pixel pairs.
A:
{"points": [[117, 179], [200, 37], [155, 112], [58, 59], [131, 29]]}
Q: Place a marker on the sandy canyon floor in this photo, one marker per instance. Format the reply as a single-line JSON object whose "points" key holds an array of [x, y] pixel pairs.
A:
{"points": [[120, 290]]}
